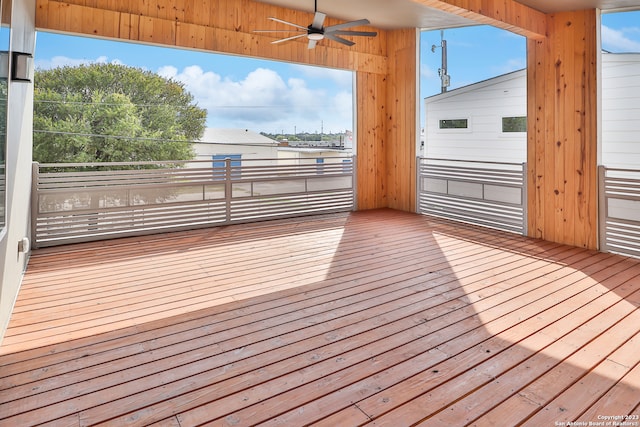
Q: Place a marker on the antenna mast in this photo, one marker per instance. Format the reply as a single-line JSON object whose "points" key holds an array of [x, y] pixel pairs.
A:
{"points": [[442, 72]]}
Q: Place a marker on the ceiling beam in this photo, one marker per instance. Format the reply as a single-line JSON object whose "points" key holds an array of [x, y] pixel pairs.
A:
{"points": [[506, 14]]}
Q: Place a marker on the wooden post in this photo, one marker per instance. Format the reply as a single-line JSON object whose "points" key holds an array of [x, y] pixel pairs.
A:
{"points": [[562, 130]]}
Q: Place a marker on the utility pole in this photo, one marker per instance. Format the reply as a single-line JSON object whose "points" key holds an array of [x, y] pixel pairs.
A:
{"points": [[442, 72]]}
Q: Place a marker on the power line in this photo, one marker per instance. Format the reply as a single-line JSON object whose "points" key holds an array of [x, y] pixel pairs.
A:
{"points": [[142, 138], [107, 104], [50, 101], [95, 135]]}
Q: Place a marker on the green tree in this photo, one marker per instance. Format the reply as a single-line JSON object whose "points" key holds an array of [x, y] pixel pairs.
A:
{"points": [[112, 113]]}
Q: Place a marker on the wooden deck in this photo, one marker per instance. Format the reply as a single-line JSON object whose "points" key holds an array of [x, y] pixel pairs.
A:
{"points": [[371, 318]]}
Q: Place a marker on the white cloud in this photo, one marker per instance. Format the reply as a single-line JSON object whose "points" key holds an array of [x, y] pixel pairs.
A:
{"points": [[619, 40], [168, 71], [63, 61], [263, 101]]}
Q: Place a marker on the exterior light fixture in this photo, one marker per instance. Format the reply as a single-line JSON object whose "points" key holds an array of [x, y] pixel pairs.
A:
{"points": [[21, 67]]}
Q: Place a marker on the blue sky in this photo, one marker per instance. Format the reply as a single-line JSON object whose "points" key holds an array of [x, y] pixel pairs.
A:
{"points": [[275, 97]]}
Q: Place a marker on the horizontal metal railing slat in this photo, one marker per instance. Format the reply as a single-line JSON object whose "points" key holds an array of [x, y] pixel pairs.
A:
{"points": [[468, 192], [90, 219], [619, 211], [84, 204]]}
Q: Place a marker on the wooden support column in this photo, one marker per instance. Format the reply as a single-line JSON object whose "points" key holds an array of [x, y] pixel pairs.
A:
{"points": [[562, 130], [402, 119], [386, 125], [370, 125]]}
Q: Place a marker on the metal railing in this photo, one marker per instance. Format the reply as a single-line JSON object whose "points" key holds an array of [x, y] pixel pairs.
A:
{"points": [[619, 207], [93, 201], [490, 194]]}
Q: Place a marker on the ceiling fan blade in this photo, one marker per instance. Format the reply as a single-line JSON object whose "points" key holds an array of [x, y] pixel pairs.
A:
{"points": [[332, 36], [288, 38], [312, 44], [279, 31], [318, 20], [352, 33], [288, 23], [347, 25]]}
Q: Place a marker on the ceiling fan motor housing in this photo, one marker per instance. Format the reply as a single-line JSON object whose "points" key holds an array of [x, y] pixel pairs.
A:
{"points": [[315, 33]]}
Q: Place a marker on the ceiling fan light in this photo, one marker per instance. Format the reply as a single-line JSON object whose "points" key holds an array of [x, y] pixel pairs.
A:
{"points": [[315, 36]]}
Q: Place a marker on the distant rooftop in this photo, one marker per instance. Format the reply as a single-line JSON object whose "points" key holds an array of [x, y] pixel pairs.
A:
{"points": [[234, 136], [311, 150]]}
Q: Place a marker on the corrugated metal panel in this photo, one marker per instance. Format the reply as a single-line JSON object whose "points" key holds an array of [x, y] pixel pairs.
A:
{"points": [[482, 193], [84, 202]]}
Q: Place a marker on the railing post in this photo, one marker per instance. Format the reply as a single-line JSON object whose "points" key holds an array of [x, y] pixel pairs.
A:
{"points": [[35, 204], [418, 184], [354, 182], [525, 200], [228, 188], [602, 210]]}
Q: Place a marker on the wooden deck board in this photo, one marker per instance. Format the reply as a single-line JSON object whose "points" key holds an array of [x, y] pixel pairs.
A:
{"points": [[376, 317]]}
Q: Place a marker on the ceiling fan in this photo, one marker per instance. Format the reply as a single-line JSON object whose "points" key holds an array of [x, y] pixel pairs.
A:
{"points": [[316, 32]]}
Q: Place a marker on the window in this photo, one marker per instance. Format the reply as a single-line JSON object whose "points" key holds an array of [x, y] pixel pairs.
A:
{"points": [[514, 124], [454, 124], [346, 165], [219, 164]]}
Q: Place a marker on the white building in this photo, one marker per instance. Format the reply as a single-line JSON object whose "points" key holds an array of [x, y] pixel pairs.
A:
{"points": [[466, 123], [487, 120], [311, 155], [217, 144], [620, 123]]}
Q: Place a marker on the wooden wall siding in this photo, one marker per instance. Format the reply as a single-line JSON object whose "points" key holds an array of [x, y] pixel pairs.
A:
{"points": [[562, 141], [506, 14]]}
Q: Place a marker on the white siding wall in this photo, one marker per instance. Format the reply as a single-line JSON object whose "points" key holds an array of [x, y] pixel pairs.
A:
{"points": [[19, 142], [206, 151], [483, 105], [621, 110], [309, 156]]}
